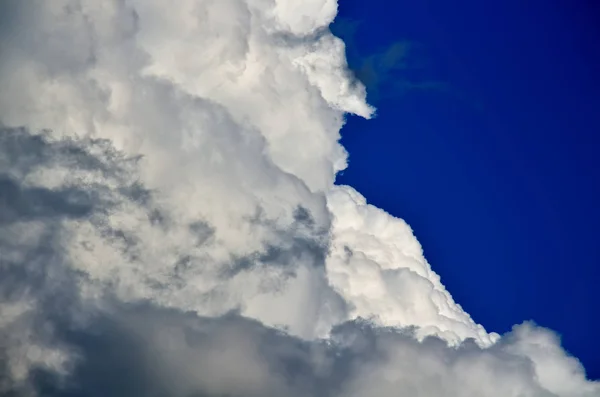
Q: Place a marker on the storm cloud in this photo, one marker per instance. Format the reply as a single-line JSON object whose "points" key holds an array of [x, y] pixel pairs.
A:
{"points": [[170, 226]]}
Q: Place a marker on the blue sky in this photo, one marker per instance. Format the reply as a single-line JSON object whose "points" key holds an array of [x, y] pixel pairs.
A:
{"points": [[485, 143]]}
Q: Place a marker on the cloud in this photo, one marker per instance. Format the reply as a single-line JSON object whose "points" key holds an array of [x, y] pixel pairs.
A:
{"points": [[396, 69], [170, 226], [143, 350]]}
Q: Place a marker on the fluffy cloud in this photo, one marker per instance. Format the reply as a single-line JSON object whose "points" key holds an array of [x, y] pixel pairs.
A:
{"points": [[170, 225]]}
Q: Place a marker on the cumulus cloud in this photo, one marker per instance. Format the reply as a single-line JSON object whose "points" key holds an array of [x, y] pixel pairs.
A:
{"points": [[169, 223]]}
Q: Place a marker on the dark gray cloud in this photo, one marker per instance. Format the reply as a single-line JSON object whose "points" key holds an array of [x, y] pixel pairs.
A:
{"points": [[143, 350], [35, 280], [113, 351]]}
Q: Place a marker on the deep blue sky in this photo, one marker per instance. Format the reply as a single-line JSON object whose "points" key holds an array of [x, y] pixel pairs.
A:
{"points": [[490, 151]]}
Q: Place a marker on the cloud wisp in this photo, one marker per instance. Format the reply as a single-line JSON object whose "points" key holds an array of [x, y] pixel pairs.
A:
{"points": [[169, 223]]}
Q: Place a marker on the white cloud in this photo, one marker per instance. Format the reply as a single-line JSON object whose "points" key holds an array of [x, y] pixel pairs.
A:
{"points": [[187, 164], [377, 265]]}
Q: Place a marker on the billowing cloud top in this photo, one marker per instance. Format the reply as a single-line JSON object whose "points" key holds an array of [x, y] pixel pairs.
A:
{"points": [[169, 223]]}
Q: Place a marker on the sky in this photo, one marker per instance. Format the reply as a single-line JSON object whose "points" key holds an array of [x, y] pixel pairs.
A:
{"points": [[486, 142], [225, 198]]}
